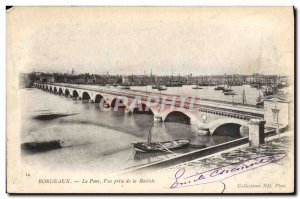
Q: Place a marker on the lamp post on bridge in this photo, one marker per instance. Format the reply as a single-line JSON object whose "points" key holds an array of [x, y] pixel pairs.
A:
{"points": [[275, 112]]}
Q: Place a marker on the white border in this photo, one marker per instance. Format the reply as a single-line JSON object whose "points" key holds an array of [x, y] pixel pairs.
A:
{"points": [[106, 3]]}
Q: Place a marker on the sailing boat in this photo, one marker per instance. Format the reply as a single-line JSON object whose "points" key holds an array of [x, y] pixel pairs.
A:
{"points": [[197, 86], [269, 91], [227, 88], [166, 146], [173, 83], [161, 88], [219, 88]]}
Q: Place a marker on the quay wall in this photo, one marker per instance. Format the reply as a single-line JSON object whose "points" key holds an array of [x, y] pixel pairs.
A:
{"points": [[197, 154]]}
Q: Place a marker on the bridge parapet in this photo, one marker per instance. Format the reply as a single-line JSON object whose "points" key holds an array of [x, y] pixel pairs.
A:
{"points": [[244, 115]]}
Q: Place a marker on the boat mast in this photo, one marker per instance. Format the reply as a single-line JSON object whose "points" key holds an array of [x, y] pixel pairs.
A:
{"points": [[149, 133]]}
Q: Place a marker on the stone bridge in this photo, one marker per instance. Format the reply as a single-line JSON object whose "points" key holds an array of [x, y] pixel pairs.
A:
{"points": [[211, 117]]}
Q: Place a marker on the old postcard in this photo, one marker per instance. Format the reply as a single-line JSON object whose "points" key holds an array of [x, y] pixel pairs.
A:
{"points": [[150, 100]]}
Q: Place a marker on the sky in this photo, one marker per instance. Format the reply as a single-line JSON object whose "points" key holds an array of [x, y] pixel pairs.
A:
{"points": [[134, 40]]}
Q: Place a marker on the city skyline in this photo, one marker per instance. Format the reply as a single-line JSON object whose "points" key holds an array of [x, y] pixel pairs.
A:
{"points": [[207, 42], [69, 72]]}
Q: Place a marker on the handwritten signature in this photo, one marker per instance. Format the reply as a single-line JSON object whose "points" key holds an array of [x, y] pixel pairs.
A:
{"points": [[182, 179]]}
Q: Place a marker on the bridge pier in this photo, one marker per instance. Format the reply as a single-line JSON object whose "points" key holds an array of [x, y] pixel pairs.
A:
{"points": [[127, 111], [157, 118], [256, 132], [244, 131], [203, 131], [106, 105]]}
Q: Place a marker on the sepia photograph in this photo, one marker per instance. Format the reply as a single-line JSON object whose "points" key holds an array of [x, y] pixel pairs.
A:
{"points": [[150, 100]]}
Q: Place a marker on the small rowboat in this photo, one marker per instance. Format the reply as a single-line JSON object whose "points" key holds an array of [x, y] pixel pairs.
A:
{"points": [[198, 146], [229, 93], [125, 87], [39, 146], [219, 88], [162, 88], [227, 90], [42, 146], [145, 147], [197, 87], [159, 87]]}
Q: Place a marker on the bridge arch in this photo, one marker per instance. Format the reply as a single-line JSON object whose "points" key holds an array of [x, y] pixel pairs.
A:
{"points": [[98, 98], [142, 108], [229, 127], [55, 89], [60, 91], [177, 117], [85, 96], [67, 92], [75, 93]]}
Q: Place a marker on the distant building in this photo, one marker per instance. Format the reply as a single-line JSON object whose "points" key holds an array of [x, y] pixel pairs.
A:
{"points": [[26, 80], [137, 79]]}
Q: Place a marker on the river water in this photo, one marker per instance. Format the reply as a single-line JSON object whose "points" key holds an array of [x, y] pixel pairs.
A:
{"points": [[97, 140]]}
